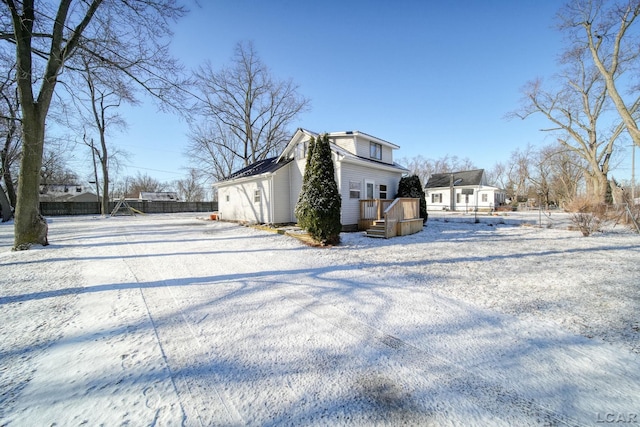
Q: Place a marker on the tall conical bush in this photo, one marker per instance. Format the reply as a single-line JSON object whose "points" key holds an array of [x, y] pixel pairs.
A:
{"points": [[318, 207], [410, 186]]}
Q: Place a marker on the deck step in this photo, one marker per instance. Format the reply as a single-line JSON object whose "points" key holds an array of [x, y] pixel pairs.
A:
{"points": [[376, 230]]}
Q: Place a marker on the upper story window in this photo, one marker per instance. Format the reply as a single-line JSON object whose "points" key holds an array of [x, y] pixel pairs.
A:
{"points": [[256, 196], [375, 151], [302, 150]]}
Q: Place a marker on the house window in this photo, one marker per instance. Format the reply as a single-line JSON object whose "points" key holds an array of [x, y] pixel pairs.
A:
{"points": [[457, 197], [436, 198], [256, 196], [375, 151], [227, 197], [383, 191], [485, 198], [354, 189], [302, 149]]}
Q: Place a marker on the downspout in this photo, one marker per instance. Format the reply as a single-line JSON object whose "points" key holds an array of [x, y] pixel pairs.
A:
{"points": [[272, 200]]}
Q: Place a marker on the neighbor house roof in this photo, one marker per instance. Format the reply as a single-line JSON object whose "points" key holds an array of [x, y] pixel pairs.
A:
{"points": [[462, 178], [258, 168], [158, 196]]}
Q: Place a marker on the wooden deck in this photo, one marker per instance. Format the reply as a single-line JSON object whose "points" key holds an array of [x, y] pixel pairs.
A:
{"points": [[389, 218]]}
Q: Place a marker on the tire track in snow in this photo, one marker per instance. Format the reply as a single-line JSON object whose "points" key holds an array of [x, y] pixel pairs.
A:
{"points": [[480, 391], [158, 300]]}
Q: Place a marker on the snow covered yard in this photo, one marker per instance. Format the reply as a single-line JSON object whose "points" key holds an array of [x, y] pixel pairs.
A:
{"points": [[173, 320]]}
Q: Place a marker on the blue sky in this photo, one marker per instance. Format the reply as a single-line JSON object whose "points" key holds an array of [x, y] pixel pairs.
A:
{"points": [[434, 77]]}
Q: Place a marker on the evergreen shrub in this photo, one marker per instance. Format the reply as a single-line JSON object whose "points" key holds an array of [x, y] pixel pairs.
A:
{"points": [[319, 203]]}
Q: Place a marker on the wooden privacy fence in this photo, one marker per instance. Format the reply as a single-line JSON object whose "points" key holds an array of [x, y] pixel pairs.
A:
{"points": [[93, 208]]}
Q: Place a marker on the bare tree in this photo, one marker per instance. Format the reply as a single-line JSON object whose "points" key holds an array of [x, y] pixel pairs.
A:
{"points": [[496, 176], [517, 184], [424, 168], [190, 188], [99, 94], [576, 110], [556, 174], [143, 183], [604, 30], [128, 36], [10, 131], [567, 169], [54, 168], [249, 111]]}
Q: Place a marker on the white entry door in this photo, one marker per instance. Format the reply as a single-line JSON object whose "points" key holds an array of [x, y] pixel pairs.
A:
{"points": [[369, 189]]}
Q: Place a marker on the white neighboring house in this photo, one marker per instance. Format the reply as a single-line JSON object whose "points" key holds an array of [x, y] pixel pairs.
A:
{"points": [[469, 189], [159, 196], [67, 193], [267, 191]]}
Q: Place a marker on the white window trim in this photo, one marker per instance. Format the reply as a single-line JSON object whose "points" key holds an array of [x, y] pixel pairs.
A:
{"points": [[353, 189], [377, 151]]}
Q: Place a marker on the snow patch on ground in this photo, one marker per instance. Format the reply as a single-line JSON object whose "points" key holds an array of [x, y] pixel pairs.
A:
{"points": [[173, 320]]}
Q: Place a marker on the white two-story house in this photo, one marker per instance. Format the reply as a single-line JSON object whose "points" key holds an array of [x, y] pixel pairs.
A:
{"points": [[267, 191]]}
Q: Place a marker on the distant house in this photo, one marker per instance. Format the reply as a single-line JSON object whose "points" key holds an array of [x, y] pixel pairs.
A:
{"points": [[267, 191], [67, 193], [159, 196], [462, 191]]}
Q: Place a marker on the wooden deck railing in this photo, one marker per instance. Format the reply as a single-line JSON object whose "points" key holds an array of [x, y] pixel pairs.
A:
{"points": [[373, 209], [399, 210]]}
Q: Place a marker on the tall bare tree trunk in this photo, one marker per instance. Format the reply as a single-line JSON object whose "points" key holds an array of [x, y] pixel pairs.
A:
{"points": [[597, 185], [30, 227], [105, 176]]}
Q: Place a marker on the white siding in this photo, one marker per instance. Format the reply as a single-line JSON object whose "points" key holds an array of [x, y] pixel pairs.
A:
{"points": [[281, 196], [296, 173], [363, 149], [346, 142], [351, 172], [241, 205], [493, 199]]}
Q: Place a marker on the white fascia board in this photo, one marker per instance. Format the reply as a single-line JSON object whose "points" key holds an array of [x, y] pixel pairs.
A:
{"points": [[242, 180], [295, 140], [357, 133]]}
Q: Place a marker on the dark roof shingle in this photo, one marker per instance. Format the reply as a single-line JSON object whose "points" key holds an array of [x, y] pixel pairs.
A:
{"points": [[258, 168], [472, 177]]}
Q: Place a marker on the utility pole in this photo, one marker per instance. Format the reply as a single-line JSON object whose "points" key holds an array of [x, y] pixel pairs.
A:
{"points": [[452, 205]]}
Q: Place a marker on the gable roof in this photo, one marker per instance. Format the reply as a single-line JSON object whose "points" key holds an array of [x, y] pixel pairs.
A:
{"points": [[272, 164], [258, 168], [300, 133], [462, 178]]}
